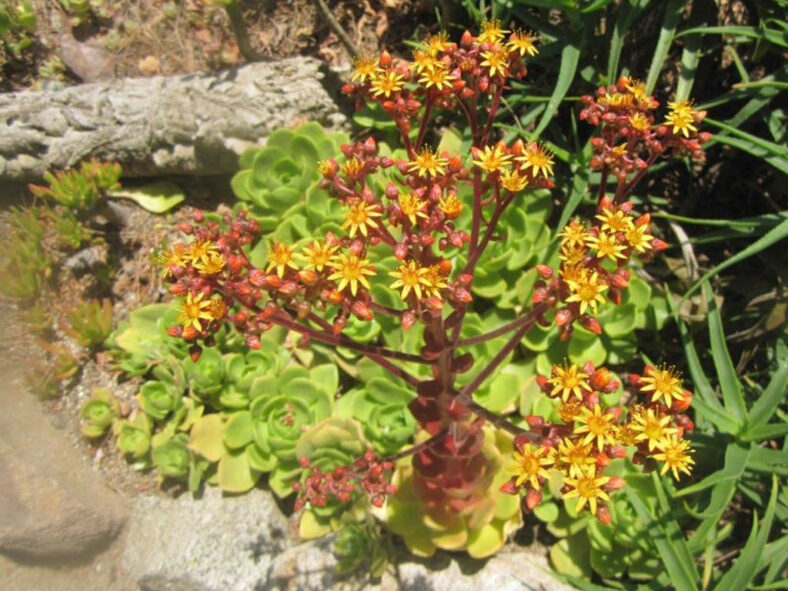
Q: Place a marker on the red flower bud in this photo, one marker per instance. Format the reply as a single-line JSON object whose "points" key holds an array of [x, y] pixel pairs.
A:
{"points": [[533, 498]]}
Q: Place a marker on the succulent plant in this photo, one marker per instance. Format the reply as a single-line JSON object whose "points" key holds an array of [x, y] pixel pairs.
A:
{"points": [[80, 189], [358, 545], [280, 417], [142, 341], [483, 521], [90, 323], [172, 458], [280, 181], [98, 413], [134, 436], [586, 545], [381, 406], [158, 399], [617, 343], [329, 444]]}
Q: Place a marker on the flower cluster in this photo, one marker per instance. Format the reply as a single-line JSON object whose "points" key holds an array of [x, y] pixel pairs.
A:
{"points": [[594, 264], [441, 71], [589, 436], [367, 474], [630, 140]]}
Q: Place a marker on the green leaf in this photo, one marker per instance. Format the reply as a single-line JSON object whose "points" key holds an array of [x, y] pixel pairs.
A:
{"points": [[724, 482], [766, 432], [206, 437], [234, 474], [732, 392], [675, 554], [773, 236], [571, 556], [570, 55], [157, 197], [743, 571], [238, 430], [666, 33], [769, 400], [770, 152], [627, 13], [690, 56]]}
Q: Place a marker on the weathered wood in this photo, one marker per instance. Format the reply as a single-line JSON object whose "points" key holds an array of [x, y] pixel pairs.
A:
{"points": [[196, 124]]}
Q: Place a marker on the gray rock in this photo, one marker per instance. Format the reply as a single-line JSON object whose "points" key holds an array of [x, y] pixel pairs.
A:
{"points": [[513, 569], [196, 124], [213, 543], [53, 504]]}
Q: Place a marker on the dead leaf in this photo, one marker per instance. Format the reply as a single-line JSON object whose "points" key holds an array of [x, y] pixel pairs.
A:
{"points": [[382, 25], [149, 65], [89, 60], [203, 35]]}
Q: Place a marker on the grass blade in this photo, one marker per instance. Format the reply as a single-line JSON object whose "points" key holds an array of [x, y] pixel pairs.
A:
{"points": [[570, 56], [745, 568], [772, 153], [771, 237], [671, 547], [766, 432], [690, 57], [666, 34], [732, 392], [628, 12], [767, 403]]}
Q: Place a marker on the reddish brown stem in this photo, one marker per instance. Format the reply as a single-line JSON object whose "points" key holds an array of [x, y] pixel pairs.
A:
{"points": [[501, 356], [341, 341], [418, 447]]}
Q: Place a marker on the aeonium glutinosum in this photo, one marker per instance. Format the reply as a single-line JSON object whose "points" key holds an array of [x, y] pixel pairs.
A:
{"points": [[421, 219]]}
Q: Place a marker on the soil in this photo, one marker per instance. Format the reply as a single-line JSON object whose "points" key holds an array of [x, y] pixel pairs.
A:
{"points": [[133, 38]]}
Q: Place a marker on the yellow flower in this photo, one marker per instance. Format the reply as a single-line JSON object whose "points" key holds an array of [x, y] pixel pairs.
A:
{"points": [[451, 206], [352, 168], [434, 282], [638, 90], [193, 309], [573, 270], [663, 383], [280, 257], [200, 250], [626, 434], [424, 61], [572, 255], [607, 246], [359, 217], [598, 427], [675, 453], [218, 307], [351, 270], [177, 256], [570, 410], [496, 61], [214, 264], [492, 32], [439, 78], [637, 238], [615, 221], [651, 427], [568, 381], [409, 276], [365, 69], [492, 159], [681, 117], [412, 206], [523, 43], [575, 456], [513, 180], [639, 121], [387, 83], [317, 255], [529, 465], [587, 488], [437, 43], [574, 234], [587, 291], [617, 99], [428, 164], [538, 159]]}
